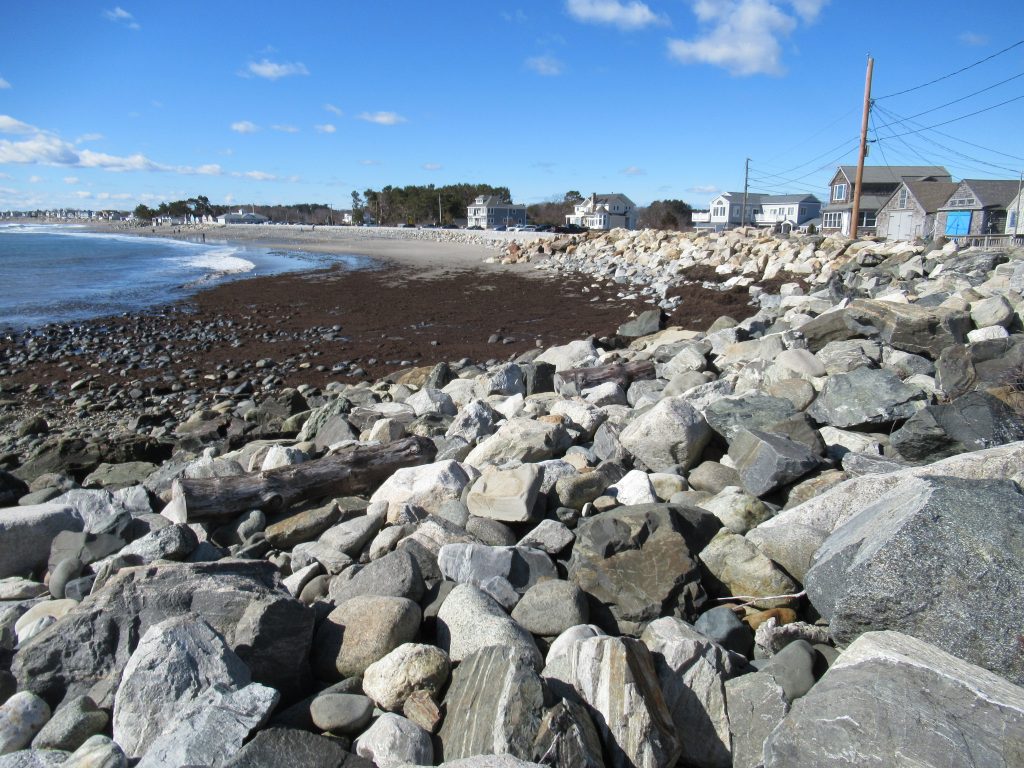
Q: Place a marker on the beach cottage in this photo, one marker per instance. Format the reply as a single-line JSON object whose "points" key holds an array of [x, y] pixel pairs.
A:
{"points": [[879, 182], [910, 211], [977, 207]]}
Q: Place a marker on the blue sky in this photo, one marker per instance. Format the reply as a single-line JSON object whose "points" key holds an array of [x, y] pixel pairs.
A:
{"points": [[107, 105]]}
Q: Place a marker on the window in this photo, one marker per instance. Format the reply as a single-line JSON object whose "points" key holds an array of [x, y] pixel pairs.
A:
{"points": [[832, 220], [803, 210], [792, 210], [719, 210], [839, 192], [966, 201], [867, 219], [902, 201]]}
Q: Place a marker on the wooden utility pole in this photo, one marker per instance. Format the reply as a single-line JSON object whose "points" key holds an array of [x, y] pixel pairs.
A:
{"points": [[855, 213], [746, 186]]}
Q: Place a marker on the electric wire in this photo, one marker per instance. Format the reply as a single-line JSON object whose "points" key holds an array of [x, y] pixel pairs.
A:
{"points": [[951, 74], [964, 98], [964, 117]]}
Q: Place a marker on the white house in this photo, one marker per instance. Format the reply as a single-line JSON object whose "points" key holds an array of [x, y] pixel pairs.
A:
{"points": [[489, 211], [785, 211], [604, 212]]}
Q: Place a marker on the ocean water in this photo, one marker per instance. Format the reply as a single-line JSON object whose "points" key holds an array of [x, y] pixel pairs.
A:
{"points": [[51, 273]]}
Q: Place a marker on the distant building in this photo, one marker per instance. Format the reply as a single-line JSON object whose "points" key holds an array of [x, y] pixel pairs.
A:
{"points": [[242, 217], [1014, 212], [878, 182], [977, 207], [784, 212], [911, 210], [490, 211], [604, 212]]}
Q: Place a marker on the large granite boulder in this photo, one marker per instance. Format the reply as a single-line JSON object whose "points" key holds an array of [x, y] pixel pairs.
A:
{"points": [[427, 487], [494, 705], [86, 650], [671, 433], [766, 461], [693, 671], [751, 410], [469, 620], [891, 699], [274, 747], [361, 631], [176, 662], [27, 532], [940, 559], [616, 678], [518, 567], [639, 561], [866, 397], [971, 422]]}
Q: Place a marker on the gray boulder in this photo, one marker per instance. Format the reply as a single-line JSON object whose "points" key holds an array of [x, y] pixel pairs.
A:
{"points": [[766, 461], [86, 650], [639, 561], [212, 728], [971, 422], [176, 662], [756, 703], [275, 747], [520, 567], [72, 723], [939, 558], [869, 709], [671, 433], [693, 672], [616, 678], [752, 410], [396, 574], [27, 532], [567, 738], [865, 397], [469, 620], [393, 740], [494, 705], [361, 631], [550, 607]]}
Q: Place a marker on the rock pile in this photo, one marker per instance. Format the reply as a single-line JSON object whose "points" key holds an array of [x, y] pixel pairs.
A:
{"points": [[754, 544]]}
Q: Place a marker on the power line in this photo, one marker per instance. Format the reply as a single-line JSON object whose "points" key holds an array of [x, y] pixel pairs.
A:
{"points": [[951, 74], [828, 151], [875, 129], [964, 98], [812, 136], [890, 114], [964, 117]]}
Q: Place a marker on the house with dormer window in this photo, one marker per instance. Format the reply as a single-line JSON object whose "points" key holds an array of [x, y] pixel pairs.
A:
{"points": [[879, 182], [604, 212], [490, 211]]}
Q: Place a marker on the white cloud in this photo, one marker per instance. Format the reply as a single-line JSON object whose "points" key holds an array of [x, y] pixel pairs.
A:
{"points": [[334, 109], [634, 171], [285, 128], [547, 66], [113, 196], [121, 16], [82, 194], [4, 84], [271, 70], [34, 179], [229, 199], [631, 15], [244, 126], [325, 128], [369, 162], [88, 137], [432, 166], [743, 36], [211, 169], [259, 176], [382, 118], [9, 125], [967, 38], [519, 16], [70, 179], [703, 189]]}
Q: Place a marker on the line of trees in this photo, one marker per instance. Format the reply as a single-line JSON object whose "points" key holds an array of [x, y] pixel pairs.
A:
{"points": [[420, 204]]}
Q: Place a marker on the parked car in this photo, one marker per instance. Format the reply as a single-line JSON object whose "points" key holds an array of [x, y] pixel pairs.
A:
{"points": [[475, 226], [544, 227], [570, 229]]}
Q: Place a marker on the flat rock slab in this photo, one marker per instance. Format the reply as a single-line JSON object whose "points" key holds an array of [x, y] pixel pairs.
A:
{"points": [[494, 705], [869, 707], [941, 559]]}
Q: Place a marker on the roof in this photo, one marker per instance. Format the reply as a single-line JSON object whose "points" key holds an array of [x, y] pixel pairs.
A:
{"points": [[783, 199], [932, 195], [894, 174], [493, 201], [753, 198], [613, 197], [993, 192], [867, 203]]}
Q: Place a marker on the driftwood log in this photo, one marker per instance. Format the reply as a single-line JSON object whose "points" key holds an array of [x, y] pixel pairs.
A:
{"points": [[575, 380], [352, 470]]}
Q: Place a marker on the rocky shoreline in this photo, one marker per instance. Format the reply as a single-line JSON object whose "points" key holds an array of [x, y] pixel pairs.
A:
{"points": [[751, 541]]}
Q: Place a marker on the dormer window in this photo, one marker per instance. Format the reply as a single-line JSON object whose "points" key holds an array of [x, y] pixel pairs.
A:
{"points": [[839, 192], [902, 202]]}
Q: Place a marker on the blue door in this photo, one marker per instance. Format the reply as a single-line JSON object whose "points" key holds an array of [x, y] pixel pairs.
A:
{"points": [[958, 223]]}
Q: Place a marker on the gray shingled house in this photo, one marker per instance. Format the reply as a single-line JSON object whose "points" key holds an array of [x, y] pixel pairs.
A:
{"points": [[977, 207], [879, 182], [910, 211]]}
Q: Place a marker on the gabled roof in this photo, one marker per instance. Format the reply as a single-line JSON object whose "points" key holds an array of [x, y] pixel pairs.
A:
{"points": [[783, 199], [932, 195], [993, 192], [753, 198], [613, 197], [894, 174], [493, 201]]}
